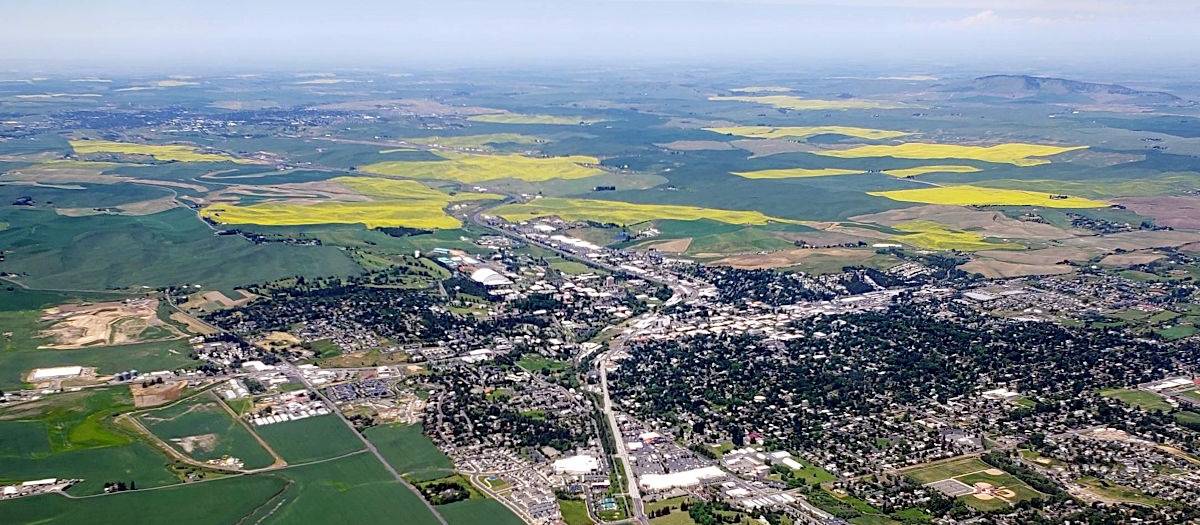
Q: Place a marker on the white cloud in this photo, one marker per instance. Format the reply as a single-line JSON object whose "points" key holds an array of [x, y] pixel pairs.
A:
{"points": [[986, 17]]}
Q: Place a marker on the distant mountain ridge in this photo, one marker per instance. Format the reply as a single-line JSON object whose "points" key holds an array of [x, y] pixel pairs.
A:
{"points": [[1052, 89]]}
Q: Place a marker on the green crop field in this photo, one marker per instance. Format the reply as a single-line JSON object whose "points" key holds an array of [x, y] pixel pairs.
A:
{"points": [[477, 511], [212, 503], [72, 435], [409, 452], [354, 489], [310, 439], [202, 429], [171, 247]]}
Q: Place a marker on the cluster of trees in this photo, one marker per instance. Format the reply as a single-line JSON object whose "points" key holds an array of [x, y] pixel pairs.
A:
{"points": [[444, 492]]}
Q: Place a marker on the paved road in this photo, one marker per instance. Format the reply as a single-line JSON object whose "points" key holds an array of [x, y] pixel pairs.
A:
{"points": [[635, 495], [370, 446]]}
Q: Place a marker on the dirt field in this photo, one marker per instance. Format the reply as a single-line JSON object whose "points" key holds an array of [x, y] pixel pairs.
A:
{"points": [[1044, 256], [79, 325], [767, 147], [147, 207], [192, 324], [994, 269], [671, 246], [695, 145], [1130, 259], [207, 300], [1173, 211], [155, 394], [277, 340], [982, 222], [786, 258], [1134, 240]]}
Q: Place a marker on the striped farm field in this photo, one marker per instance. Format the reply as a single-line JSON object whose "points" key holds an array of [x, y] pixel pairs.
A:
{"points": [[617, 212], [1017, 154], [966, 195], [463, 167], [166, 153]]}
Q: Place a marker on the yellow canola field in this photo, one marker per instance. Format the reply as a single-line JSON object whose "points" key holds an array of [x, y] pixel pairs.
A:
{"points": [[399, 203], [1013, 153], [939, 168], [520, 118], [933, 236], [617, 212], [800, 132], [798, 103], [966, 195], [468, 168], [794, 173], [161, 152], [373, 214]]}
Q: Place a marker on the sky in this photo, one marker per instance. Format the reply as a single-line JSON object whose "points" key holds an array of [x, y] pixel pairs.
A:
{"points": [[127, 34]]}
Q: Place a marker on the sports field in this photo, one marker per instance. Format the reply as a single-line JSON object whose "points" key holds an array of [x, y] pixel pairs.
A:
{"points": [[521, 118], [469, 168], [1017, 154], [166, 153], [976, 483], [966, 195], [617, 212], [801, 104], [794, 173], [800, 132]]}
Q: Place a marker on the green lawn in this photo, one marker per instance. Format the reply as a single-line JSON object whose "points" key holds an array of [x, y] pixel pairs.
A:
{"points": [[1113, 491], [574, 512], [946, 470], [1138, 398]]}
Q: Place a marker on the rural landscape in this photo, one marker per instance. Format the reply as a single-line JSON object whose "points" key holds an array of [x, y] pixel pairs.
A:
{"points": [[574, 296]]}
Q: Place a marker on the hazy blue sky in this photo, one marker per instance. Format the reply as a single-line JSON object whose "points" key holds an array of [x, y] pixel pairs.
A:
{"points": [[298, 33]]}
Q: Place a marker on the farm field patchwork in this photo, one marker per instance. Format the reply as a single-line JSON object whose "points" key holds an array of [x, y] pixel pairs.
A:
{"points": [[1012, 153], [617, 212], [933, 236], [521, 118], [398, 203], [475, 141], [801, 104], [966, 195], [469, 168], [801, 132], [166, 153], [794, 173], [921, 170]]}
